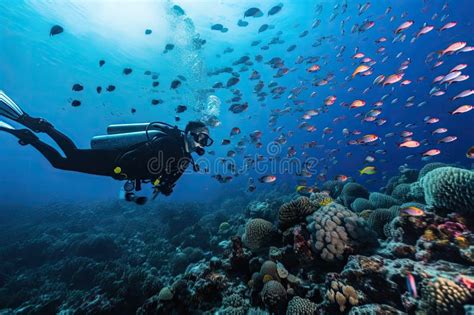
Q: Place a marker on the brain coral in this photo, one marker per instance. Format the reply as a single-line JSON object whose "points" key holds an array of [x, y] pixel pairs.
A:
{"points": [[443, 296], [352, 191], [336, 230], [379, 200], [300, 306], [361, 204], [449, 188], [257, 233], [380, 217], [273, 294], [295, 211]]}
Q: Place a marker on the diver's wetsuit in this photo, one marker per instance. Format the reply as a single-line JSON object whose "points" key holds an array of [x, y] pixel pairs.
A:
{"points": [[163, 157]]}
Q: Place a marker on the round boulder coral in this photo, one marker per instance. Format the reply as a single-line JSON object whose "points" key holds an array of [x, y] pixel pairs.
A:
{"points": [[337, 231], [444, 296], [295, 211], [401, 192], [352, 191], [257, 233], [379, 200], [300, 306], [273, 294], [361, 204], [449, 188], [380, 217]]}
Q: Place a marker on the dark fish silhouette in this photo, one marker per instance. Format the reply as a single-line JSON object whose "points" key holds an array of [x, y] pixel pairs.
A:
{"points": [[55, 30], [263, 28], [232, 81], [148, 32], [76, 103], [178, 10], [181, 108], [242, 23], [155, 83], [275, 9], [77, 87], [101, 63], [254, 12], [99, 89], [156, 102], [111, 88], [175, 84], [217, 27], [127, 71], [168, 47]]}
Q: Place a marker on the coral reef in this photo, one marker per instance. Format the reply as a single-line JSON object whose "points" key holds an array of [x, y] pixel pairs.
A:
{"points": [[390, 253]]}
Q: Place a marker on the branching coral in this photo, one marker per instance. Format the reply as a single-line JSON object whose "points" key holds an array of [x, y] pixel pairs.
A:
{"points": [[345, 296]]}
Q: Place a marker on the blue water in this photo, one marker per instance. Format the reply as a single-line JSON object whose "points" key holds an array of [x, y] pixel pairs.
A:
{"points": [[38, 72]]}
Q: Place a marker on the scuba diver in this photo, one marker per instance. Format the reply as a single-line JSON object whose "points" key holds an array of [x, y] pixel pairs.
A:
{"points": [[155, 153]]}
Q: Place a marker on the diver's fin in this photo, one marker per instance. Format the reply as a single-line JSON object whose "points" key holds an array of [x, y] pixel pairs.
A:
{"points": [[8, 108], [5, 126]]}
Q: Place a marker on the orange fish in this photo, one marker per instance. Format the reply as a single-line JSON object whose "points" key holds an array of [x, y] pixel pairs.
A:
{"points": [[409, 144], [404, 26], [432, 152], [393, 78], [341, 178], [453, 48], [314, 68], [461, 109], [413, 211], [357, 103], [360, 69]]}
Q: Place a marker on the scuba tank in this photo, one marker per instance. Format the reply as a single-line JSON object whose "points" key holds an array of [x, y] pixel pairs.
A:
{"points": [[122, 136]]}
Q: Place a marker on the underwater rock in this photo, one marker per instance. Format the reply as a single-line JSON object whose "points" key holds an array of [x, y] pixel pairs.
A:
{"points": [[258, 233], [352, 191], [337, 231], [165, 294], [260, 209], [371, 309], [449, 188]]}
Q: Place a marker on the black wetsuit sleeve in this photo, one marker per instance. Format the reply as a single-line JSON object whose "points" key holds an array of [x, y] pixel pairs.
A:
{"points": [[163, 158]]}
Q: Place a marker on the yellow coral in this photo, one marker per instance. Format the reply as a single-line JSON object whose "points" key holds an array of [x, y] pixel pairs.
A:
{"points": [[461, 241], [429, 235], [325, 201], [267, 278]]}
